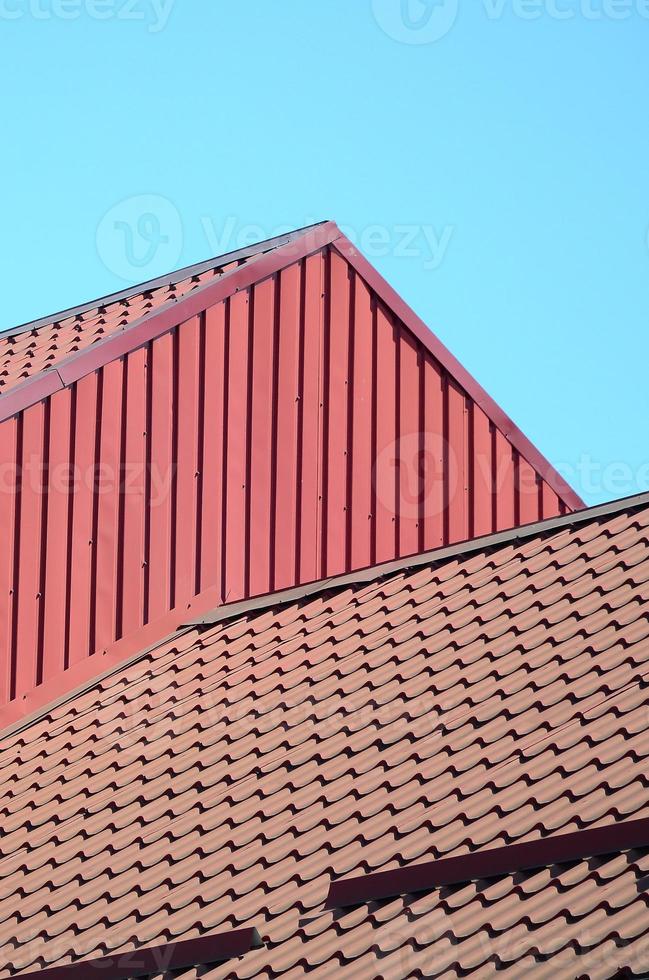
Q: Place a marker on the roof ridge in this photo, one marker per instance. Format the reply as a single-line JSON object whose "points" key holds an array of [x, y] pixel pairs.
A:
{"points": [[75, 363], [436, 557], [154, 322], [176, 275]]}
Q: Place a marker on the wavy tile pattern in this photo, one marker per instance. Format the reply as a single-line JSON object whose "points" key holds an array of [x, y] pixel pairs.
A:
{"points": [[227, 776]]}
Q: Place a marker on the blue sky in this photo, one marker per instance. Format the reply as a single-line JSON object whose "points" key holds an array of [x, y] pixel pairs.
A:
{"points": [[491, 157]]}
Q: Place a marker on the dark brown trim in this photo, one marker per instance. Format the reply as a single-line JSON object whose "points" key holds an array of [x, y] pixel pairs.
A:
{"points": [[178, 275], [157, 959], [174, 312], [29, 392], [441, 353], [434, 558], [491, 863]]}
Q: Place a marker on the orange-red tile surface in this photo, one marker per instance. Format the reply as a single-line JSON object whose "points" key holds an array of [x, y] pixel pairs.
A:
{"points": [[225, 778]]}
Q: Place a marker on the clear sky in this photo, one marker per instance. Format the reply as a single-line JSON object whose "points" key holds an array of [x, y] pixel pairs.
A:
{"points": [[490, 157]]}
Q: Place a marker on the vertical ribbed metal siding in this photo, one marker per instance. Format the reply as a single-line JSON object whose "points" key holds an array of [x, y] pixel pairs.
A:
{"points": [[291, 432]]}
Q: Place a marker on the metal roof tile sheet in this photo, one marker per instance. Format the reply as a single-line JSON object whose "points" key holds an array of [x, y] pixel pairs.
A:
{"points": [[225, 778]]}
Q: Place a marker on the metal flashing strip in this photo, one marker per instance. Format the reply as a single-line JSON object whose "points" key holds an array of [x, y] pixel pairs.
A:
{"points": [[178, 275], [491, 863], [157, 959], [226, 613], [165, 317], [29, 392], [433, 558]]}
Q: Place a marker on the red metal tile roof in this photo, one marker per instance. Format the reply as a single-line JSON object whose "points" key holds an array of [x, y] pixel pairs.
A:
{"points": [[229, 775]]}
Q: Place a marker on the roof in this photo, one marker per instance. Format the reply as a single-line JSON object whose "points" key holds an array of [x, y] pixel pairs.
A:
{"points": [[292, 398], [41, 344], [226, 779]]}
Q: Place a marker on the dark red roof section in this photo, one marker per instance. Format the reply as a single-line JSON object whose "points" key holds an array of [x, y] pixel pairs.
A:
{"points": [[157, 959], [494, 862], [276, 423], [231, 774]]}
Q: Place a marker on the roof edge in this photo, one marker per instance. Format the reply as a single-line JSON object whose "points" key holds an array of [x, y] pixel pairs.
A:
{"points": [[435, 557], [88, 673], [16, 717], [166, 280], [167, 316], [441, 353]]}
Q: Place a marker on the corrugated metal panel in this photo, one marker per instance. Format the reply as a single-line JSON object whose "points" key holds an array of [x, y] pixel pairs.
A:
{"points": [[294, 430]]}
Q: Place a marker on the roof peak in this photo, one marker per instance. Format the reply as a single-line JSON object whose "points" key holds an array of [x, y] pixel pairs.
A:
{"points": [[175, 276]]}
